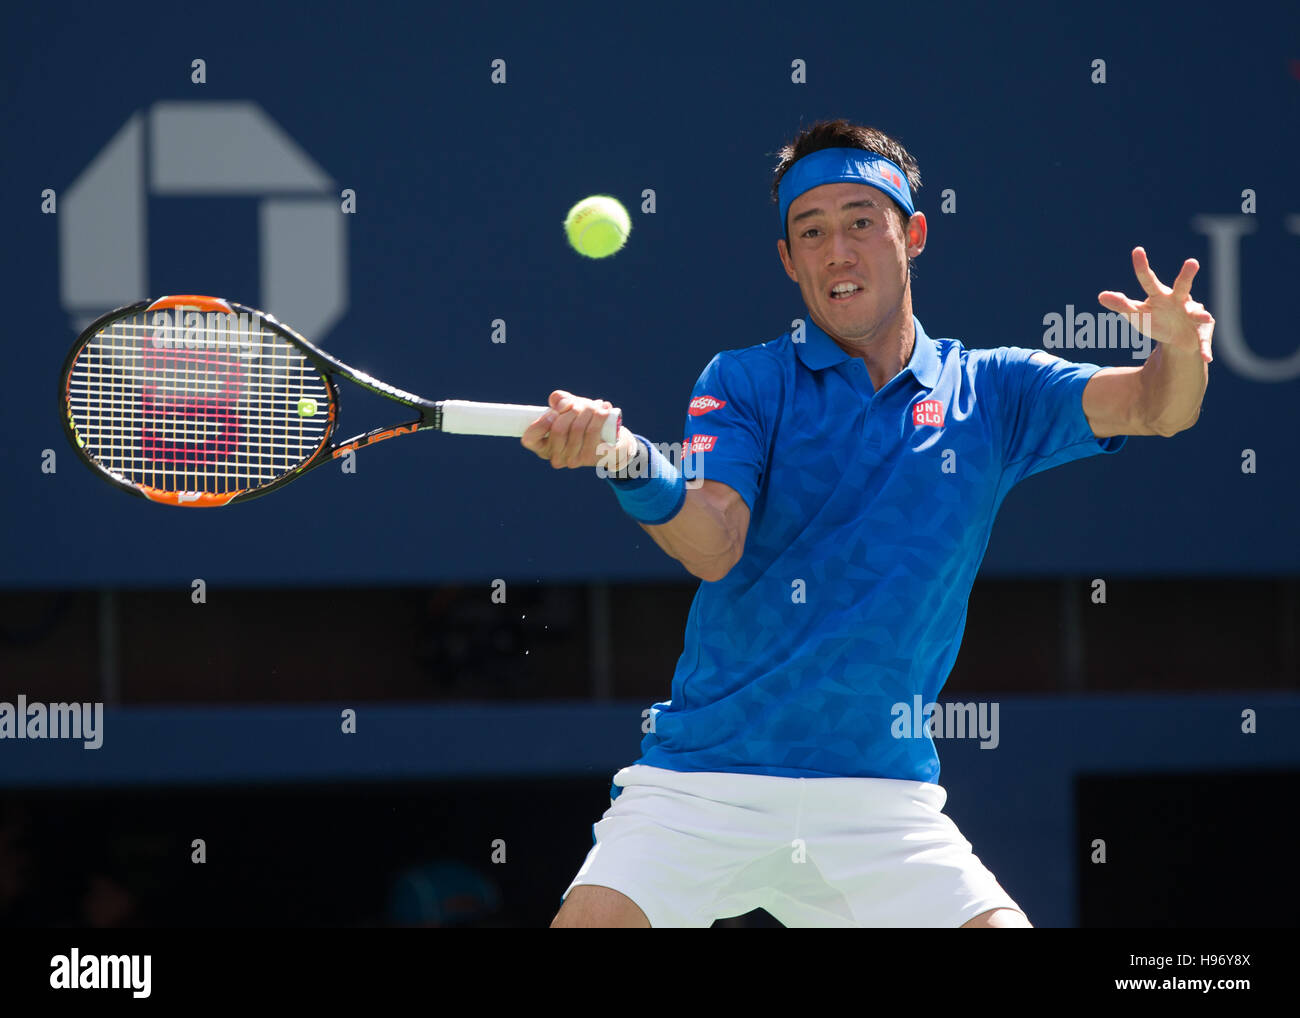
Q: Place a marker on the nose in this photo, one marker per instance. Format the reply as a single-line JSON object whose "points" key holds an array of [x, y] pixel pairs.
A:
{"points": [[840, 250]]}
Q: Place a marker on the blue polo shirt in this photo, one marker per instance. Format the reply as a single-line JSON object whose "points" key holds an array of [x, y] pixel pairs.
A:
{"points": [[869, 516]]}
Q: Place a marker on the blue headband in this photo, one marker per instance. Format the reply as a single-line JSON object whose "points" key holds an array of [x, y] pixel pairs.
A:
{"points": [[835, 165]]}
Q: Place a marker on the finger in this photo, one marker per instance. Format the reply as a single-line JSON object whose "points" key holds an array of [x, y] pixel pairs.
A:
{"points": [[580, 445], [1145, 276], [561, 437], [557, 397], [1183, 284], [535, 435], [1112, 300], [1130, 310]]}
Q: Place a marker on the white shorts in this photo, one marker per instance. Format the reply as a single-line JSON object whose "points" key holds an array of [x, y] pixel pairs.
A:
{"points": [[693, 847]]}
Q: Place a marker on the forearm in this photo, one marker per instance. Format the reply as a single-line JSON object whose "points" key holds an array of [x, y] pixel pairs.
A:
{"points": [[1173, 385], [702, 525], [702, 537]]}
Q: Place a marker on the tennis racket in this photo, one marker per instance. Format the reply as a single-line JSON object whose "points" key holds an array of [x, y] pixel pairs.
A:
{"points": [[199, 401]]}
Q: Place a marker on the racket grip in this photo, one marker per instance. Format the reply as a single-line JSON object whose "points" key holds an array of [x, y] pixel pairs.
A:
{"points": [[506, 420]]}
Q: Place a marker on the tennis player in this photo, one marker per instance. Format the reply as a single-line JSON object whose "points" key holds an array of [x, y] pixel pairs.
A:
{"points": [[851, 475]]}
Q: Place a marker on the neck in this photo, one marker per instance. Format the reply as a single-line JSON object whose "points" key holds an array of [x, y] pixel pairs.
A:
{"points": [[887, 348]]}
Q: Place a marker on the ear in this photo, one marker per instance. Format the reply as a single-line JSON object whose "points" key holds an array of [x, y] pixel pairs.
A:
{"points": [[783, 250], [916, 230]]}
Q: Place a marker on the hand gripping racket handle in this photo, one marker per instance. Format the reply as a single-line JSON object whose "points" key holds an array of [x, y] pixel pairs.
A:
{"points": [[507, 420]]}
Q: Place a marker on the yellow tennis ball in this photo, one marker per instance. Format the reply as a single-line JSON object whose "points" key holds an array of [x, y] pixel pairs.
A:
{"points": [[597, 226], [306, 407]]}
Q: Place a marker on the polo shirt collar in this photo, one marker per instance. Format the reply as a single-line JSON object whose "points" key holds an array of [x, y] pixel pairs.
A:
{"points": [[818, 352]]}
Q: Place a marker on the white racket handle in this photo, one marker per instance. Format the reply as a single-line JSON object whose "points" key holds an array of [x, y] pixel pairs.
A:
{"points": [[507, 420]]}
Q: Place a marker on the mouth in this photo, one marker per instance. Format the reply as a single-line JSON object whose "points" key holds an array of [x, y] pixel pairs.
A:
{"points": [[842, 293]]}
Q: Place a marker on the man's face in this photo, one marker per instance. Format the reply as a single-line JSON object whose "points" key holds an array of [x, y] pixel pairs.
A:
{"points": [[851, 233]]}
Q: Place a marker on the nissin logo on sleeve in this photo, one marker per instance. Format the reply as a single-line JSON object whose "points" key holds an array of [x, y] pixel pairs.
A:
{"points": [[702, 405]]}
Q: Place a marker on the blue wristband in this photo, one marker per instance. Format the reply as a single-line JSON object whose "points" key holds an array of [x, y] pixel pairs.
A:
{"points": [[657, 495]]}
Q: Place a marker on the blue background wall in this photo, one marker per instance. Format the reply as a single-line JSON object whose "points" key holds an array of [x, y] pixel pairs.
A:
{"points": [[461, 186], [1016, 806]]}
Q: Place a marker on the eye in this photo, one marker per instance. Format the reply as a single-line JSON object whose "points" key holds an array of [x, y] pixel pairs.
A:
{"points": [[864, 219], [808, 231]]}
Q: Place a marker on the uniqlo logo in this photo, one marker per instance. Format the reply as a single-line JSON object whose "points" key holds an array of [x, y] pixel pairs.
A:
{"points": [[928, 413], [889, 175], [700, 443], [701, 405]]}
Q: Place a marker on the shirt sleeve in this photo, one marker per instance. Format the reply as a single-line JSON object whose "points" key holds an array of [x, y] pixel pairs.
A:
{"points": [[1040, 400], [726, 437]]}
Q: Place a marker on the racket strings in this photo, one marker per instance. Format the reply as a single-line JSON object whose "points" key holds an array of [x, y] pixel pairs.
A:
{"points": [[218, 406]]}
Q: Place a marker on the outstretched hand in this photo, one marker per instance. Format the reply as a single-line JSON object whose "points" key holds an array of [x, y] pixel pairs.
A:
{"points": [[1168, 315]]}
